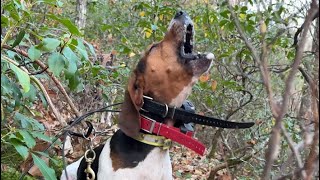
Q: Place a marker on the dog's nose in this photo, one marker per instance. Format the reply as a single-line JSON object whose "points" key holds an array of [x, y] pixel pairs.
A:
{"points": [[179, 13]]}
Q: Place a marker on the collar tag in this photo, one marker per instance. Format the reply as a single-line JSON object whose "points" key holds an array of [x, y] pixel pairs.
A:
{"points": [[154, 140]]}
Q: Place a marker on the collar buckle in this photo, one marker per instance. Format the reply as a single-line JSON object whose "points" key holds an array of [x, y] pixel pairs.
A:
{"points": [[153, 123], [166, 113], [147, 97], [167, 144]]}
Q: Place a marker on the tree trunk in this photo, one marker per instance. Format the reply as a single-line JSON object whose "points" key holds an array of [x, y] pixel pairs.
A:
{"points": [[82, 13]]}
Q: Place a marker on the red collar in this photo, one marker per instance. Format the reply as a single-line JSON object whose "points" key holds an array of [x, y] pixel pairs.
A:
{"points": [[154, 127]]}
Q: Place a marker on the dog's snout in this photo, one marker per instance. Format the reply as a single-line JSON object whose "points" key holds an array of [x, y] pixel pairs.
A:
{"points": [[178, 14]]}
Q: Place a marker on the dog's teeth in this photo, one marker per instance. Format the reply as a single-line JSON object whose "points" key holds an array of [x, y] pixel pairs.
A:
{"points": [[210, 56]]}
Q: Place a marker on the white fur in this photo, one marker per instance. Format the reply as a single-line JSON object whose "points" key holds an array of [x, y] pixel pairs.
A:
{"points": [[156, 166], [183, 95], [210, 56], [71, 171]]}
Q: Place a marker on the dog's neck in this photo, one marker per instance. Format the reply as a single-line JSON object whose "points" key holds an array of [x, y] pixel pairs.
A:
{"points": [[127, 152]]}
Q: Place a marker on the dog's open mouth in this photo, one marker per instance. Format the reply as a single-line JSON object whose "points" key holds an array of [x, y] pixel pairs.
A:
{"points": [[188, 40], [186, 49]]}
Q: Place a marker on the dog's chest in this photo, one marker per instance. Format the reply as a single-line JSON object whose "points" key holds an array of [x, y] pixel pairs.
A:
{"points": [[156, 166]]}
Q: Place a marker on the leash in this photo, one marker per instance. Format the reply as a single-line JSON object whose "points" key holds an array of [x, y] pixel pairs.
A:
{"points": [[164, 111], [153, 107], [65, 132], [91, 175]]}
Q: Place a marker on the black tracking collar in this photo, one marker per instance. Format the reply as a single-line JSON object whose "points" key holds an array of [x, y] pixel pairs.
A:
{"points": [[163, 110]]}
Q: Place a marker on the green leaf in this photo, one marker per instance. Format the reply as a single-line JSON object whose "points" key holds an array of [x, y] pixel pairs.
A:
{"points": [[28, 139], [34, 53], [223, 22], [73, 79], [22, 76], [21, 149], [67, 23], [11, 54], [4, 21], [225, 14], [50, 44], [103, 27], [244, 9], [72, 59], [91, 48], [19, 38], [47, 172], [31, 95], [178, 174], [45, 154], [6, 85], [82, 49], [73, 44], [41, 135], [56, 63], [44, 101], [14, 14], [230, 26], [27, 122]]}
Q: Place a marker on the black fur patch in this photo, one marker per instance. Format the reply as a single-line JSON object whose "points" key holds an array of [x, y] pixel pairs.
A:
{"points": [[129, 152], [141, 66], [95, 165]]}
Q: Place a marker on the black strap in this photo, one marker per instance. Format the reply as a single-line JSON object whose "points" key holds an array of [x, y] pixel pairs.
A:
{"points": [[180, 114], [90, 128]]}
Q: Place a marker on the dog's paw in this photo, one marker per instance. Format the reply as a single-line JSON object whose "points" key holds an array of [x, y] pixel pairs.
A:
{"points": [[210, 56]]}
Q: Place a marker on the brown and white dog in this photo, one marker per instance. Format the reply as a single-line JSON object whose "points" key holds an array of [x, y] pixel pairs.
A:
{"points": [[166, 72]]}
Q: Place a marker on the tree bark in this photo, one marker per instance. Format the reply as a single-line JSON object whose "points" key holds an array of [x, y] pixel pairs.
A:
{"points": [[82, 14]]}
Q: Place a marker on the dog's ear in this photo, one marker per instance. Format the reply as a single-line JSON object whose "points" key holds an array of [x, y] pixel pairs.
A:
{"points": [[129, 118]]}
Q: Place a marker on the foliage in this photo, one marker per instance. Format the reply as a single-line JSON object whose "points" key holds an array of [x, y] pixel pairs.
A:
{"points": [[46, 32]]}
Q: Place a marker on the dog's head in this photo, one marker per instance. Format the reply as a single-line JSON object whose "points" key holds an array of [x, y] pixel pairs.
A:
{"points": [[166, 72]]}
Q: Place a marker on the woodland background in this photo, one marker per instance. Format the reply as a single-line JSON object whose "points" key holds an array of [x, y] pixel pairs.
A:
{"points": [[63, 58]]}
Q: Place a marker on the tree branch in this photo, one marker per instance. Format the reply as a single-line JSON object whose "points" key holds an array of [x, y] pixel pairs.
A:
{"points": [[55, 80], [228, 163], [54, 110], [295, 40], [294, 150], [273, 145], [41, 87], [262, 62]]}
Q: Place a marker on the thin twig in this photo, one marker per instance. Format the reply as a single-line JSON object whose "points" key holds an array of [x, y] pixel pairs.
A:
{"points": [[38, 72], [39, 84], [254, 52], [60, 87], [241, 105], [57, 82], [46, 95], [293, 149], [229, 163]]}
